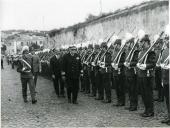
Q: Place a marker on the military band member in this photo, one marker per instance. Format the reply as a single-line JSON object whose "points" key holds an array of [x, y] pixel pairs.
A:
{"points": [[72, 68], [146, 76]]}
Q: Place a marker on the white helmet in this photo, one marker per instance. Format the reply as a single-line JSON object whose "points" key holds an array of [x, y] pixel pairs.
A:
{"points": [[156, 37], [141, 34], [167, 29], [128, 36], [25, 48]]}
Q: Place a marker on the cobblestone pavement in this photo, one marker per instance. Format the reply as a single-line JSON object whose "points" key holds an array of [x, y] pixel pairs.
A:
{"points": [[51, 111]]}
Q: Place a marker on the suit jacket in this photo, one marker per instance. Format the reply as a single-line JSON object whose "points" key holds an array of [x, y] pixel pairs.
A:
{"points": [[72, 66], [36, 63], [55, 66]]}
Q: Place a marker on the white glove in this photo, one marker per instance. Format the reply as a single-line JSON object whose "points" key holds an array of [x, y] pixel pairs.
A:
{"points": [[116, 66], [113, 65], [92, 63]]}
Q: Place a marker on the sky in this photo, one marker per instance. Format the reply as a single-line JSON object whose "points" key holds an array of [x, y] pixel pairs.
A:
{"points": [[53, 14]]}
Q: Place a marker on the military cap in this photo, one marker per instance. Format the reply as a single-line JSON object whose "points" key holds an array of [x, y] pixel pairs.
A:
{"points": [[96, 46], [104, 45], [25, 48], [130, 40], [118, 42], [72, 48], [111, 46], [145, 38], [90, 46]]}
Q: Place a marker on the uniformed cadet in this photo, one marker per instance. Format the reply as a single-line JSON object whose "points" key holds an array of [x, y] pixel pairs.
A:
{"points": [[165, 77], [92, 71], [146, 76], [158, 51], [119, 73], [98, 76], [26, 70], [105, 70], [130, 73], [72, 68], [86, 72]]}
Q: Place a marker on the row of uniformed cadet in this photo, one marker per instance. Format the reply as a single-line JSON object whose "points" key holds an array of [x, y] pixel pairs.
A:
{"points": [[128, 70], [127, 66]]}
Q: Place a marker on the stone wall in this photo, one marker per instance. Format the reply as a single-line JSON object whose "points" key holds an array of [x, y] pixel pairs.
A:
{"points": [[152, 17]]}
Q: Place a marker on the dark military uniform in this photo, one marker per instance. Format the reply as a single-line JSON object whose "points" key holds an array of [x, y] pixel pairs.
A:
{"points": [[165, 83], [106, 77], [158, 77], [92, 75], [72, 68], [26, 71], [86, 77], [146, 78], [131, 81], [119, 77]]}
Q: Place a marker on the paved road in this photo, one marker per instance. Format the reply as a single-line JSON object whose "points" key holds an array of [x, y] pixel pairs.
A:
{"points": [[51, 111]]}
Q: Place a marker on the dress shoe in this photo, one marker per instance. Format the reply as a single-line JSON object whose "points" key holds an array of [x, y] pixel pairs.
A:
{"points": [[34, 101], [127, 108], [147, 114], [99, 98], [25, 101], [133, 109], [75, 102], [63, 96], [69, 100], [106, 101], [91, 95], [165, 120], [159, 99], [168, 123], [119, 104]]}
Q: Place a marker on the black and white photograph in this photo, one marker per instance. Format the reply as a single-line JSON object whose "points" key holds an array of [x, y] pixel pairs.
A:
{"points": [[84, 63]]}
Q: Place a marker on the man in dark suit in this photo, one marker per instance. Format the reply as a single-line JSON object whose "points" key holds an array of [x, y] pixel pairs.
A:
{"points": [[72, 68], [55, 65], [36, 66]]}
